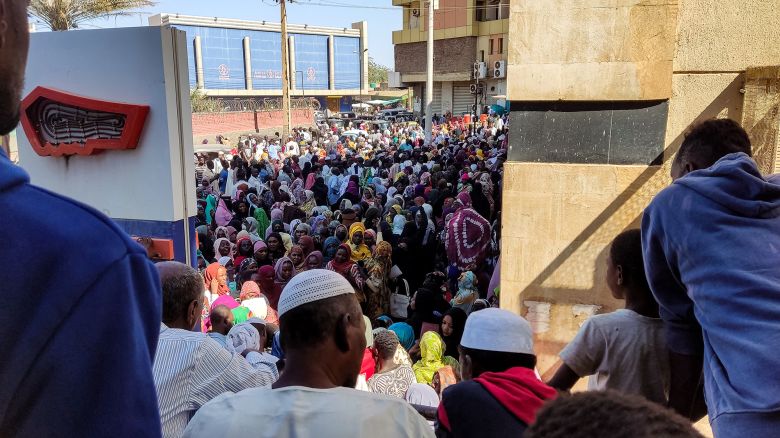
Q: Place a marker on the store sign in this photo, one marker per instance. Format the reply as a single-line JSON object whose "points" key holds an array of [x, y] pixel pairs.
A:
{"points": [[58, 123], [224, 72], [311, 74], [267, 74]]}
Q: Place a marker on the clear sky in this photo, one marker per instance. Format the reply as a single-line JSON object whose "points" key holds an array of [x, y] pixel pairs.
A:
{"points": [[382, 17]]}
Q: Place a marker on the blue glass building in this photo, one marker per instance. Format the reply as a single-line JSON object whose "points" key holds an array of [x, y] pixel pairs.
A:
{"points": [[243, 59]]}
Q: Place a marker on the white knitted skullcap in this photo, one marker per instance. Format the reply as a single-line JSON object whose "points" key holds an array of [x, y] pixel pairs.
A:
{"points": [[310, 286], [498, 330]]}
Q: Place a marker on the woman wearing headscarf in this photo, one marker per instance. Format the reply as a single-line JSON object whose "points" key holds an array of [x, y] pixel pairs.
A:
{"points": [[359, 250], [329, 248], [417, 245], [306, 242], [276, 248], [297, 189], [261, 254], [211, 208], [244, 249], [223, 248], [222, 215], [285, 271], [467, 292], [266, 279], [432, 358], [252, 298], [452, 325], [479, 202], [297, 258], [343, 264], [352, 191], [215, 282], [313, 261], [250, 225], [377, 282], [405, 334], [311, 178], [320, 191]]}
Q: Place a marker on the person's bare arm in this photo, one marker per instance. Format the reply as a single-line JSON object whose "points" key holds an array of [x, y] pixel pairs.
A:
{"points": [[564, 378], [685, 393]]}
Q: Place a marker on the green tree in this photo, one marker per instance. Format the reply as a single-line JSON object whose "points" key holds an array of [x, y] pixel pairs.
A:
{"points": [[377, 73], [203, 104], [68, 14]]}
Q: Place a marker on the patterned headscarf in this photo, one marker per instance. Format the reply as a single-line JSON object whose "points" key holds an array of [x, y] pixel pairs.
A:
{"points": [[467, 239]]}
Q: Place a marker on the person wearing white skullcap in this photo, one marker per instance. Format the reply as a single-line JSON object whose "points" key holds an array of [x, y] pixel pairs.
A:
{"points": [[323, 336], [245, 338], [500, 392]]}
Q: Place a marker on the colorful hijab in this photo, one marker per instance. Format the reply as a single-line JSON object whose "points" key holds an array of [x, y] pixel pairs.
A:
{"points": [[278, 270], [315, 256], [329, 248], [467, 238], [359, 252], [211, 206], [223, 216], [342, 268], [467, 292], [211, 273], [297, 249], [405, 334], [431, 352]]}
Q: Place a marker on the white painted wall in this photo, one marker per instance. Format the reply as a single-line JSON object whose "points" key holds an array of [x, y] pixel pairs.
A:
{"points": [[133, 65]]}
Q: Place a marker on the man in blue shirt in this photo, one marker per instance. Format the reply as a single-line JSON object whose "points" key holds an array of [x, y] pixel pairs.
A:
{"points": [[711, 244], [81, 302]]}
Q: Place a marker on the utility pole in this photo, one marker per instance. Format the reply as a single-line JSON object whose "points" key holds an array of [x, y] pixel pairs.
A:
{"points": [[429, 77], [285, 74]]}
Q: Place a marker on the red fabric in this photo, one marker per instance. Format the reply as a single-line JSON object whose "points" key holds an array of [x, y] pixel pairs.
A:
{"points": [[444, 420], [368, 366], [468, 238], [518, 390]]}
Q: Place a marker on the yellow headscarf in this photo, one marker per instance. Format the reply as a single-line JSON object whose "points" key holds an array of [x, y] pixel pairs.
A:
{"points": [[431, 350], [359, 252]]}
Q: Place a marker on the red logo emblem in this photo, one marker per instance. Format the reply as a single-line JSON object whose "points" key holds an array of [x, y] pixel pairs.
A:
{"points": [[59, 123]]}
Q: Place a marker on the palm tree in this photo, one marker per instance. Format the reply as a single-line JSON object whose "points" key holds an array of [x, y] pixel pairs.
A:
{"points": [[68, 14]]}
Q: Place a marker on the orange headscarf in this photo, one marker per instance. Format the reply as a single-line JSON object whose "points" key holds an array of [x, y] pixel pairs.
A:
{"points": [[211, 274]]}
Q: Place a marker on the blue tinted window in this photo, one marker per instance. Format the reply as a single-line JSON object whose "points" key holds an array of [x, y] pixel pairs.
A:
{"points": [[347, 59], [266, 51], [311, 58], [190, 37], [223, 56]]}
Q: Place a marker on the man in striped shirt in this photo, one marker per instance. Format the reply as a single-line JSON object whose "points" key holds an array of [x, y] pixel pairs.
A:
{"points": [[190, 368]]}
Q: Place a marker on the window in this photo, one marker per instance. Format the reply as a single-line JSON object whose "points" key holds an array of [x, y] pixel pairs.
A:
{"points": [[482, 56], [500, 45], [491, 46]]}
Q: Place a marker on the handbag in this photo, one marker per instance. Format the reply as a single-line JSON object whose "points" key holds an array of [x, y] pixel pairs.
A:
{"points": [[399, 300]]}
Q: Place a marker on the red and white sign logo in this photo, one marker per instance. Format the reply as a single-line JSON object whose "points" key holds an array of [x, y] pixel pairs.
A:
{"points": [[311, 74]]}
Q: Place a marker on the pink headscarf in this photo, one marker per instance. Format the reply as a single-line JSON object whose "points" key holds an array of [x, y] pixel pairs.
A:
{"points": [[222, 216], [310, 180]]}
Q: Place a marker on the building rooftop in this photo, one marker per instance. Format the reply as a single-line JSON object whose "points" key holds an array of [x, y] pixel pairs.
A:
{"points": [[191, 20]]}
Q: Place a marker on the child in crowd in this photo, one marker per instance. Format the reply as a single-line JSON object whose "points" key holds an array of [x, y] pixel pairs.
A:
{"points": [[623, 350]]}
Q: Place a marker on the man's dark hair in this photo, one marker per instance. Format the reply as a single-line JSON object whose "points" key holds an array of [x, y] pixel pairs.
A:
{"points": [[497, 361], [626, 251], [594, 414], [310, 324], [179, 291], [386, 343], [711, 140]]}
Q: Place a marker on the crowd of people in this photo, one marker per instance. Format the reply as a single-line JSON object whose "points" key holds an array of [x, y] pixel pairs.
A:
{"points": [[348, 286]]}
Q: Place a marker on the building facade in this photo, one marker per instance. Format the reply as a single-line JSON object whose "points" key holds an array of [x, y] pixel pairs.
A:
{"points": [[243, 59], [464, 32], [601, 98]]}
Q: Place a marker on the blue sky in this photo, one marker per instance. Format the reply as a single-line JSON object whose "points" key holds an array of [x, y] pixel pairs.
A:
{"points": [[381, 22]]}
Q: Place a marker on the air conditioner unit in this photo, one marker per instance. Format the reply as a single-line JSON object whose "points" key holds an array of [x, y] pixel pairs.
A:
{"points": [[415, 12], [477, 88], [499, 69], [480, 70]]}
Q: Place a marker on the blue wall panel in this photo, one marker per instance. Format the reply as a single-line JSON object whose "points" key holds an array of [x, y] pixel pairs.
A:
{"points": [[223, 56], [311, 58], [347, 59], [266, 57]]}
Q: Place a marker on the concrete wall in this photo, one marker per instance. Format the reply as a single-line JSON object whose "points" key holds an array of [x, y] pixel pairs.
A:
{"points": [[204, 124], [591, 50], [560, 218], [449, 56]]}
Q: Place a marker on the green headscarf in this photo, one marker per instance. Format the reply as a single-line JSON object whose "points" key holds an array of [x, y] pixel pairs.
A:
{"points": [[262, 221], [211, 205]]}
